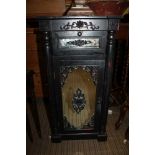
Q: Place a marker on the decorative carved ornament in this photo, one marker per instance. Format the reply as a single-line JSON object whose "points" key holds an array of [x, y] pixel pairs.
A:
{"points": [[88, 123], [67, 124], [79, 42], [78, 101], [65, 70], [79, 24]]}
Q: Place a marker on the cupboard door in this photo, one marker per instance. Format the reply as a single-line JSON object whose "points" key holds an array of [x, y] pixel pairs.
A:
{"points": [[79, 91]]}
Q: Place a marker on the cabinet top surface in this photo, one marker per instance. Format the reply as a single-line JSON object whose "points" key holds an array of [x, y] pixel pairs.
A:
{"points": [[77, 17]]}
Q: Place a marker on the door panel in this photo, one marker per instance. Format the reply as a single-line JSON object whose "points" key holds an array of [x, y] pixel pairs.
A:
{"points": [[78, 99], [78, 93]]}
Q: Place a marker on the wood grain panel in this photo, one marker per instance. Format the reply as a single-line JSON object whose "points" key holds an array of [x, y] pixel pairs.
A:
{"points": [[78, 79], [123, 32], [32, 60], [31, 41], [38, 85], [44, 8]]}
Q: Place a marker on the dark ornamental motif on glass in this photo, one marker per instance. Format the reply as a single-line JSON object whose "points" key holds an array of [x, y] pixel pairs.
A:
{"points": [[79, 42], [78, 101], [79, 24], [89, 123], [65, 70], [67, 124]]}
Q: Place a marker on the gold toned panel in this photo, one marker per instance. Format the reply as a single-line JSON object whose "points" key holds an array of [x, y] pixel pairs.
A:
{"points": [[78, 79]]}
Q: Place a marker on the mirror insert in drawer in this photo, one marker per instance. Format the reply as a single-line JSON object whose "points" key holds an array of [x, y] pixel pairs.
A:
{"points": [[79, 43], [88, 41]]}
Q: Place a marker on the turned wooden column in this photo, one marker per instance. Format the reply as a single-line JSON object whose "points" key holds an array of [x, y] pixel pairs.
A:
{"points": [[53, 111], [108, 79]]}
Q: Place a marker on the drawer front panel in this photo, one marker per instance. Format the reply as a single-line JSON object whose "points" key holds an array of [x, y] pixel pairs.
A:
{"points": [[80, 24], [77, 42]]}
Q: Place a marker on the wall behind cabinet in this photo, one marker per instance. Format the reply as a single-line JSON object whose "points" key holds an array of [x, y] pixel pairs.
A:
{"points": [[45, 7]]}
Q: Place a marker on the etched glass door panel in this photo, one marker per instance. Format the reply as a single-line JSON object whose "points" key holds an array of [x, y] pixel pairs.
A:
{"points": [[78, 84]]}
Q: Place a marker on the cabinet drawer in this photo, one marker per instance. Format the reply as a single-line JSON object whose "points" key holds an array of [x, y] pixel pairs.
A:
{"points": [[79, 42], [80, 24]]}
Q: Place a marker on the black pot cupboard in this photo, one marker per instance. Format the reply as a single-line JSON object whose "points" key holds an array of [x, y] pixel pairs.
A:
{"points": [[79, 54]]}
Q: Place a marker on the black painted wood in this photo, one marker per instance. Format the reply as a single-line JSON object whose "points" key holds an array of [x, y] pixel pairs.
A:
{"points": [[80, 30], [108, 79]]}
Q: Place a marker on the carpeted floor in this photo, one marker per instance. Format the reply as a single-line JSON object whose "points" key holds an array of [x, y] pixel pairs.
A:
{"points": [[43, 146]]}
